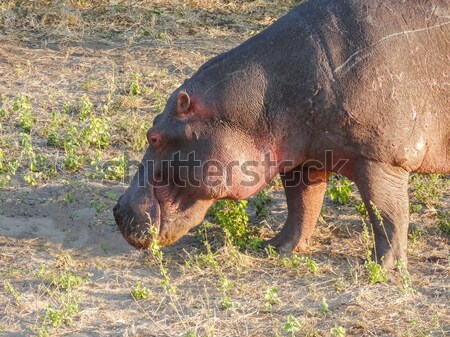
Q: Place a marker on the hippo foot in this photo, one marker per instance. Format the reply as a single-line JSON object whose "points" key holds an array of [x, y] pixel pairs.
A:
{"points": [[285, 246]]}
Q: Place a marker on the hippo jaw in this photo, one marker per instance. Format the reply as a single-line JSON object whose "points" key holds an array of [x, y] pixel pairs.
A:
{"points": [[153, 213]]}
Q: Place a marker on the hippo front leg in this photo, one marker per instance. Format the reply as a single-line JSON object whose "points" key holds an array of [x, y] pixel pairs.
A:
{"points": [[385, 187], [304, 195]]}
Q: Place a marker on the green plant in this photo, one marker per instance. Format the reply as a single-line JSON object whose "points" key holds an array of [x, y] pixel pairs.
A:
{"points": [[428, 189], [86, 108], [404, 274], [340, 190], [377, 273], [296, 261], [90, 84], [261, 203], [72, 160], [155, 250], [23, 106], [271, 298], [3, 111], [225, 287], [361, 208], [414, 208], [312, 265], [27, 150], [271, 252], [338, 331], [69, 198], [415, 233], [292, 326], [53, 138], [225, 302], [62, 280], [202, 260], [9, 289], [135, 88], [233, 219], [57, 316], [324, 307], [99, 206], [7, 169], [134, 129], [3, 162], [116, 168], [97, 132], [139, 292], [444, 221]]}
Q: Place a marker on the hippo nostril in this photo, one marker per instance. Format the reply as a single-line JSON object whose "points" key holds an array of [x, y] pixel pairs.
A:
{"points": [[154, 139]]}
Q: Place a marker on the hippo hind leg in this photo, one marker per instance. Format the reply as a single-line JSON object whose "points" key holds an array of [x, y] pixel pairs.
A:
{"points": [[384, 190], [304, 191]]}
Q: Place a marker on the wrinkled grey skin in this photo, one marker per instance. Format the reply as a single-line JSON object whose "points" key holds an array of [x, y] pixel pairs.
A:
{"points": [[367, 80]]}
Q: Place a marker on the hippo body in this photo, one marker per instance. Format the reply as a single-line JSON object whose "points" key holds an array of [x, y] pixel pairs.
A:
{"points": [[354, 87]]}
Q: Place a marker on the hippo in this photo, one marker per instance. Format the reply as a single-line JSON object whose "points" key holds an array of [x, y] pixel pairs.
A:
{"points": [[354, 87]]}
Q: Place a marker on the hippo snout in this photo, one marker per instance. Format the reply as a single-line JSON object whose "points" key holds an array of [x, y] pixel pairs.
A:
{"points": [[135, 217]]}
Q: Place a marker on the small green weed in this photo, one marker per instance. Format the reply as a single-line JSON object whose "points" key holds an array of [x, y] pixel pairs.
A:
{"points": [[99, 206], [3, 111], [139, 292], [72, 161], [338, 331], [415, 233], [404, 274], [22, 106], [340, 190], [90, 84], [134, 129], [54, 317], [155, 250], [135, 88], [377, 274], [361, 208], [296, 261], [64, 280], [428, 189], [271, 252], [69, 197], [414, 208], [97, 132], [9, 289], [444, 221], [7, 169], [292, 326], [115, 170], [324, 307], [53, 138], [225, 286], [261, 203], [271, 298], [203, 261], [85, 107], [232, 217]]}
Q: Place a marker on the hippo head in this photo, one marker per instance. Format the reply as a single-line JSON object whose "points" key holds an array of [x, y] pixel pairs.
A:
{"points": [[196, 155]]}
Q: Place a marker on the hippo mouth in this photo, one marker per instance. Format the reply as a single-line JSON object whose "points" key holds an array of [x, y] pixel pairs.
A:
{"points": [[140, 222]]}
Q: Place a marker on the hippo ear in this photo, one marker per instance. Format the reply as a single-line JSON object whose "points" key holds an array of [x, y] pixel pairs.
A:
{"points": [[183, 103]]}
